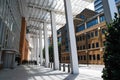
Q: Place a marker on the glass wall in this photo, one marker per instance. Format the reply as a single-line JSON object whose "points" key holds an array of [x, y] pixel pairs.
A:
{"points": [[102, 18], [80, 28], [92, 23], [10, 24]]}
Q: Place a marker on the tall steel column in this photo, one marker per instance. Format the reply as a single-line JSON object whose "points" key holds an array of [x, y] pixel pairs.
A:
{"points": [[110, 8], [55, 43], [34, 48], [37, 47], [46, 45], [70, 25], [40, 47]]}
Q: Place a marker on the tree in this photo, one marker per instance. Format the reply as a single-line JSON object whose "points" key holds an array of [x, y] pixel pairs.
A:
{"points": [[112, 51], [51, 55]]}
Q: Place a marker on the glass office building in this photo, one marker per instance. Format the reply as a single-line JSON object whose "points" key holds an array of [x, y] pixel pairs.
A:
{"points": [[98, 5]]}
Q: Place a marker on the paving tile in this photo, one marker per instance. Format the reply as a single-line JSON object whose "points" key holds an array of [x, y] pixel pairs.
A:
{"points": [[33, 72]]}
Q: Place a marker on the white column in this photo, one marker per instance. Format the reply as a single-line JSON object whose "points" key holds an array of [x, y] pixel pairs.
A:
{"points": [[37, 47], [32, 54], [46, 45], [70, 25], [34, 47], [110, 8], [98, 19], [55, 43], [40, 47]]}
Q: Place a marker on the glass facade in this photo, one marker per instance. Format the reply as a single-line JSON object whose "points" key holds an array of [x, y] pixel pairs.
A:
{"points": [[98, 5], [92, 23], [59, 39], [80, 28], [10, 24], [102, 18]]}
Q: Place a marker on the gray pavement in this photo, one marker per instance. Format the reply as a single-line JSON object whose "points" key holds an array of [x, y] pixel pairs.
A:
{"points": [[33, 72]]}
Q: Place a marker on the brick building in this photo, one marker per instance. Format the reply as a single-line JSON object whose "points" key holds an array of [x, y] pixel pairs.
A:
{"points": [[89, 28]]}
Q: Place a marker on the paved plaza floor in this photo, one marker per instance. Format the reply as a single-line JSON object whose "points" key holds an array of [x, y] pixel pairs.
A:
{"points": [[33, 72]]}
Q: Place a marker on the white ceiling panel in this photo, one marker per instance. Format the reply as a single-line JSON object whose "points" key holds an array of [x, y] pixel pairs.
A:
{"points": [[38, 11]]}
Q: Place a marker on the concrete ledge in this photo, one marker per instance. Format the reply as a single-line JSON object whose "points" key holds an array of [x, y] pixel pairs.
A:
{"points": [[9, 51]]}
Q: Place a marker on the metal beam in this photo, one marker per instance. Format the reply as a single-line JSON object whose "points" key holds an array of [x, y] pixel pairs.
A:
{"points": [[37, 28], [42, 21], [30, 5]]}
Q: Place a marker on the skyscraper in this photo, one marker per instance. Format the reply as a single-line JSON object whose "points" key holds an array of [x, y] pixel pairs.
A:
{"points": [[98, 5]]}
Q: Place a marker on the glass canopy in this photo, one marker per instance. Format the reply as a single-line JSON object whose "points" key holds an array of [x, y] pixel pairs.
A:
{"points": [[38, 11]]}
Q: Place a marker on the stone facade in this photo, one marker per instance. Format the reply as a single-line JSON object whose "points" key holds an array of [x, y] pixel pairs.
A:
{"points": [[89, 41]]}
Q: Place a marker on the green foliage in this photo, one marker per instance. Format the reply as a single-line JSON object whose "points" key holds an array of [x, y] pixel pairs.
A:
{"points": [[59, 49], [51, 55], [112, 51], [44, 53]]}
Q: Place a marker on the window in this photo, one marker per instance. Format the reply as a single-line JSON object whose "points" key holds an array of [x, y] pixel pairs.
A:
{"points": [[84, 57], [58, 32], [59, 39], [81, 57], [78, 57], [80, 38], [88, 35], [94, 57], [80, 28], [93, 45], [90, 57], [80, 47], [103, 31], [97, 45], [89, 46], [83, 46], [92, 34], [98, 56], [82, 16], [92, 23], [102, 18], [77, 38], [83, 37], [96, 33]]}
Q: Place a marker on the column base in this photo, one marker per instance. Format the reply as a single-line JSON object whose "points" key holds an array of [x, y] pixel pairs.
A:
{"points": [[8, 57]]}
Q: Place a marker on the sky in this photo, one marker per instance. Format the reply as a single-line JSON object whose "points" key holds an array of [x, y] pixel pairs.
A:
{"points": [[91, 6]]}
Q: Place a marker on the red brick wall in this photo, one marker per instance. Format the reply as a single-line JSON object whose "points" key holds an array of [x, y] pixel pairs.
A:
{"points": [[22, 38]]}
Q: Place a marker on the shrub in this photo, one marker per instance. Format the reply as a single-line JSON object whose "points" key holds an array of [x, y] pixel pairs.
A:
{"points": [[112, 51]]}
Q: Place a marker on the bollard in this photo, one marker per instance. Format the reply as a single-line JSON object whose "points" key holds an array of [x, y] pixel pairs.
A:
{"points": [[68, 68], [48, 65], [63, 67], [51, 64], [59, 66]]}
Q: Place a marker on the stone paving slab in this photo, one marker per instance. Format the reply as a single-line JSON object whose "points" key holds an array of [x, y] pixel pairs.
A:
{"points": [[33, 72]]}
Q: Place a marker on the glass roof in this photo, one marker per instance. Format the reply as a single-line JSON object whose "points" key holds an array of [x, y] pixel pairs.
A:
{"points": [[38, 11]]}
